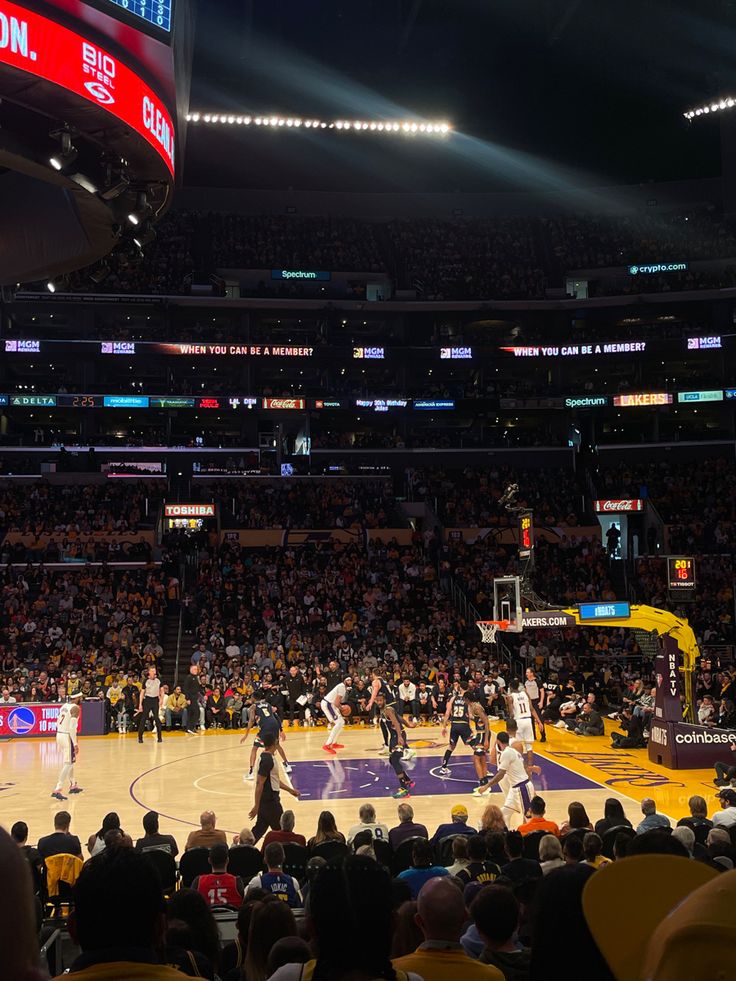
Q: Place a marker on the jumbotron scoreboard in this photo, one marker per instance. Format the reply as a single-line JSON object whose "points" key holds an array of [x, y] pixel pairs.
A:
{"points": [[155, 12]]}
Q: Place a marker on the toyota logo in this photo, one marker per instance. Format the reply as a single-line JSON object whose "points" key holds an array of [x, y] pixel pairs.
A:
{"points": [[98, 91]]}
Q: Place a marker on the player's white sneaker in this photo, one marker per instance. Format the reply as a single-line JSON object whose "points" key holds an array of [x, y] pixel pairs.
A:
{"points": [[248, 776], [560, 725], [409, 754], [480, 791], [493, 718], [287, 767], [444, 771], [384, 751]]}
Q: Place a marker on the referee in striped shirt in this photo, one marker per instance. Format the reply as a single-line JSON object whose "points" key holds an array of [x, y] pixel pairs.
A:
{"points": [[150, 703]]}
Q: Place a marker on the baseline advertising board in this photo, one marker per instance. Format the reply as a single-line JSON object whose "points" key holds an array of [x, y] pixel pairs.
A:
{"points": [[29, 719], [39, 46]]}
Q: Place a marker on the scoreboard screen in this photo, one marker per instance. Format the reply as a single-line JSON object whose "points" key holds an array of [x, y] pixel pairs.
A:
{"points": [[526, 534], [156, 12], [681, 575]]}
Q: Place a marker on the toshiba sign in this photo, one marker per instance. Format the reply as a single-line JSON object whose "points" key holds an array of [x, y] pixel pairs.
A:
{"points": [[284, 403], [189, 510], [41, 47], [603, 507]]}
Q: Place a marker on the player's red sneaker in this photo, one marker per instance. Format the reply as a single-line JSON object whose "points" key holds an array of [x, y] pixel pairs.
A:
{"points": [[329, 749], [338, 746]]}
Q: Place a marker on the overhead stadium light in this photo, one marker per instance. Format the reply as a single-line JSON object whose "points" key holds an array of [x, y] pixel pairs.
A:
{"points": [[410, 127], [65, 156], [710, 107], [142, 209]]}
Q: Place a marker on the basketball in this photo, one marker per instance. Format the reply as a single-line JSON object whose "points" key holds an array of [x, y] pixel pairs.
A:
{"points": [[346, 710]]}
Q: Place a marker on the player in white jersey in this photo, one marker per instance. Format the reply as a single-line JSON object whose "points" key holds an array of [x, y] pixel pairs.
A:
{"points": [[514, 780], [68, 742], [332, 705], [521, 709]]}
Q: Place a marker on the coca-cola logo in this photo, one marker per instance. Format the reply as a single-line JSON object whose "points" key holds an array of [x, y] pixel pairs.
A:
{"points": [[635, 505], [283, 403]]}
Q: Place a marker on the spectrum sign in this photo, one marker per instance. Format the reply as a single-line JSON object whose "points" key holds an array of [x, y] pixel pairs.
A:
{"points": [[643, 398], [41, 47]]}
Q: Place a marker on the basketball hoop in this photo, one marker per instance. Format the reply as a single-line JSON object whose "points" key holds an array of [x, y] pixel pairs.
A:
{"points": [[489, 629]]}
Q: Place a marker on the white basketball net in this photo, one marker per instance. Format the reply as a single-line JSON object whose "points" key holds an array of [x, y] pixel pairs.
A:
{"points": [[488, 631]]}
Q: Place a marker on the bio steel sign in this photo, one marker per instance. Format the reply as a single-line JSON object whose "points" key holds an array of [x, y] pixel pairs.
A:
{"points": [[189, 510], [41, 47], [618, 507]]}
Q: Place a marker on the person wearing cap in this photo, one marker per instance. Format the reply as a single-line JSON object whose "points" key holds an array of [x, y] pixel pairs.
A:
{"points": [[726, 818], [458, 825], [651, 818]]}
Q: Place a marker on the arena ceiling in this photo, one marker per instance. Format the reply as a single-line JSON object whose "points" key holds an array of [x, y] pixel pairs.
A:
{"points": [[540, 91]]}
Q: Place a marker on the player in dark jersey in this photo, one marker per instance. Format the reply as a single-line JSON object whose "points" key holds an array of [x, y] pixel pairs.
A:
{"points": [[263, 715], [379, 685], [396, 738], [460, 710]]}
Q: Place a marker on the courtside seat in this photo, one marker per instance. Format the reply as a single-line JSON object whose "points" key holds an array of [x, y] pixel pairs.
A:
{"points": [[402, 856], [192, 863], [245, 861]]}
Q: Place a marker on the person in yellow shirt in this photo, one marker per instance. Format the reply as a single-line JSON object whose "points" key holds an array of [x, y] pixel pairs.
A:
{"points": [[176, 708], [441, 917]]}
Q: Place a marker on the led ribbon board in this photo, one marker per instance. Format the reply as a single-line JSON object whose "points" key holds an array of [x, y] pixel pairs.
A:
{"points": [[39, 46]]}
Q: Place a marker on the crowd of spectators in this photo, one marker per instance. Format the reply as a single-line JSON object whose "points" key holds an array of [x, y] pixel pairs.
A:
{"points": [[442, 259], [470, 497], [88, 629], [473, 902], [456, 260], [334, 503]]}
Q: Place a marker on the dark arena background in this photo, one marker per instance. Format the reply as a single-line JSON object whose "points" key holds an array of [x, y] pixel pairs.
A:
{"points": [[367, 489]]}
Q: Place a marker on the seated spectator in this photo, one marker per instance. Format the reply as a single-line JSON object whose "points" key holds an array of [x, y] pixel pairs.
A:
{"points": [[492, 819], [719, 848], [550, 854], [538, 822], [560, 931], [698, 814], [686, 837], [351, 917], [326, 830], [407, 934], [593, 851], [285, 833], [613, 817], [519, 869], [441, 916], [651, 818], [457, 826], [572, 850], [495, 912], [96, 842], [192, 934], [406, 828], [284, 887], [589, 722], [269, 922], [219, 887], [287, 950], [61, 842], [207, 834], [19, 834], [176, 709], [422, 867], [725, 772], [367, 814], [118, 919], [725, 818], [152, 839], [244, 837], [478, 869], [460, 858], [232, 957], [18, 923], [577, 817]]}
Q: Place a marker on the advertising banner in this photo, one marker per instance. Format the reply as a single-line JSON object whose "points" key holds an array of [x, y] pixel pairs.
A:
{"points": [[41, 47], [604, 507], [509, 536], [29, 719], [290, 537]]}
